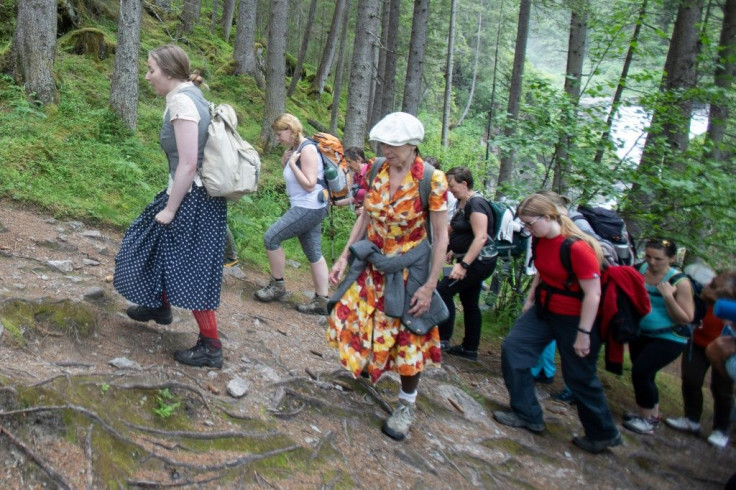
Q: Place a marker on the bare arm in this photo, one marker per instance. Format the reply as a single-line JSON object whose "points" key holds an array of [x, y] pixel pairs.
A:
{"points": [[187, 145], [479, 224], [588, 311], [532, 292], [357, 233], [309, 163], [678, 300]]}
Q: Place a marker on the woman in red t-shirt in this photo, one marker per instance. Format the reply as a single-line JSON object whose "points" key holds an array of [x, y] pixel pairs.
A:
{"points": [[695, 365], [559, 307]]}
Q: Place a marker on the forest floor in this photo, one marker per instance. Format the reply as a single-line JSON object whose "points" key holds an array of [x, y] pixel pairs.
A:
{"points": [[92, 399]]}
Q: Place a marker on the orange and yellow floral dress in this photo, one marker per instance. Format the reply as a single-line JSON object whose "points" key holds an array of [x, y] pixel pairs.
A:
{"points": [[366, 338]]}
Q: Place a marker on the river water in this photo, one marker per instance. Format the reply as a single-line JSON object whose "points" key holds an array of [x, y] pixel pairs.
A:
{"points": [[629, 130]]}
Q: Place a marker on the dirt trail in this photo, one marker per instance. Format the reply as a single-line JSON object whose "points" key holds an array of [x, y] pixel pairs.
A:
{"points": [[77, 421]]}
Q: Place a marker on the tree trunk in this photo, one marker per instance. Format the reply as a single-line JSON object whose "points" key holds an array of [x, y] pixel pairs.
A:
{"points": [[448, 75], [328, 55], [124, 85], [275, 70], [512, 112], [475, 70], [307, 34], [190, 12], [415, 62], [381, 66], [488, 178], [337, 88], [213, 22], [392, 48], [573, 77], [616, 101], [723, 78], [34, 46], [356, 118], [245, 36], [669, 130], [228, 13]]}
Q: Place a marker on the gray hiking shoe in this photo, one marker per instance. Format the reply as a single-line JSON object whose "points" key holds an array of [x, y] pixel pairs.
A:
{"points": [[397, 425], [512, 420], [318, 306], [274, 291]]}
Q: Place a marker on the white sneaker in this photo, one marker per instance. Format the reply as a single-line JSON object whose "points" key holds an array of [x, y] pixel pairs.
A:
{"points": [[684, 424], [639, 425], [719, 439]]}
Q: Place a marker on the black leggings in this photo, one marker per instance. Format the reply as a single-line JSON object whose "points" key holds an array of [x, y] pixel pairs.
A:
{"points": [[648, 356], [469, 291]]}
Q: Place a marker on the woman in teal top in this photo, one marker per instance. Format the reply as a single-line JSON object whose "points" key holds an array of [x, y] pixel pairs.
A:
{"points": [[659, 343]]}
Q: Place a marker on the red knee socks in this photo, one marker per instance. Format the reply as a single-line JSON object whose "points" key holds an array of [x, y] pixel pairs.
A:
{"points": [[207, 322]]}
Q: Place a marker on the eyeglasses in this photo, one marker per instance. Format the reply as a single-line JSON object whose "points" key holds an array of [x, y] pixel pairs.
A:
{"points": [[528, 224]]}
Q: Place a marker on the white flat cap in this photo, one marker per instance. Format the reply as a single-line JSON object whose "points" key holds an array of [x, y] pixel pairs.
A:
{"points": [[397, 129]]}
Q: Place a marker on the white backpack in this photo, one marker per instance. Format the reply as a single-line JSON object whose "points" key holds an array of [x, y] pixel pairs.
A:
{"points": [[231, 166]]}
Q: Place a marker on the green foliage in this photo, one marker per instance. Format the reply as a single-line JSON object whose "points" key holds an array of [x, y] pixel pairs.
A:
{"points": [[77, 159], [165, 408]]}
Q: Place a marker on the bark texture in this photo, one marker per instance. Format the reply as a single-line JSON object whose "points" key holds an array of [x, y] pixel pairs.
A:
{"points": [[34, 47], [361, 72], [517, 75], [275, 70], [245, 36], [415, 63], [124, 85]]}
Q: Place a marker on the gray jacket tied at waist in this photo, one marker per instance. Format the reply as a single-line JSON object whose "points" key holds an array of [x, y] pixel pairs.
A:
{"points": [[397, 295]]}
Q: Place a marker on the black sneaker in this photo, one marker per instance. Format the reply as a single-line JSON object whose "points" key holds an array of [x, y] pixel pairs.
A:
{"points": [[161, 315], [596, 447], [544, 379], [206, 352], [564, 396], [460, 351]]}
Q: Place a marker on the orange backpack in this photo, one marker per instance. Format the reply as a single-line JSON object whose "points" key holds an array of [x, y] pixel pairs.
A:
{"points": [[331, 150]]}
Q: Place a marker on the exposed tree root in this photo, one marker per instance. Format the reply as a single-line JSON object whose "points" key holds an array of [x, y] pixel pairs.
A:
{"points": [[372, 391], [55, 477], [182, 483], [88, 455], [202, 435], [163, 386], [165, 459], [235, 415], [326, 438]]}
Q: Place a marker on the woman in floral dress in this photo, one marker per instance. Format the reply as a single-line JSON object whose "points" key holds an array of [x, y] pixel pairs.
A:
{"points": [[395, 221]]}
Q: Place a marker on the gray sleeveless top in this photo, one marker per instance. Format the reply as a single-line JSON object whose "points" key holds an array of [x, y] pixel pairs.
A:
{"points": [[166, 136]]}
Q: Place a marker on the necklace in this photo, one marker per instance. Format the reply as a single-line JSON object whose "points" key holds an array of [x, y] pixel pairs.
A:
{"points": [[654, 278]]}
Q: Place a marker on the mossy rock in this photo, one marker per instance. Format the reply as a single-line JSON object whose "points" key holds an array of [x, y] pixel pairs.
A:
{"points": [[22, 318], [89, 41]]}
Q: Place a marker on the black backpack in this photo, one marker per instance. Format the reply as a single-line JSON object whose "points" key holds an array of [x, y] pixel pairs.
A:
{"points": [[611, 227]]}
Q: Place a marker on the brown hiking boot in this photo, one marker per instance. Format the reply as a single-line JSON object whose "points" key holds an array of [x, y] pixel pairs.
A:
{"points": [[318, 306], [274, 291]]}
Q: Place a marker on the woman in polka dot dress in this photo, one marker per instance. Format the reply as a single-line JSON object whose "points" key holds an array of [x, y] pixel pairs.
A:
{"points": [[172, 254]]}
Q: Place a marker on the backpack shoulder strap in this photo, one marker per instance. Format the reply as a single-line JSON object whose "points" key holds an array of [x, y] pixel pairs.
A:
{"points": [[677, 277], [566, 260], [375, 167], [425, 185]]}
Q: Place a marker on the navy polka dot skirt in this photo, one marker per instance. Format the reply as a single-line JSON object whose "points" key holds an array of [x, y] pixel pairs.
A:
{"points": [[183, 258]]}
